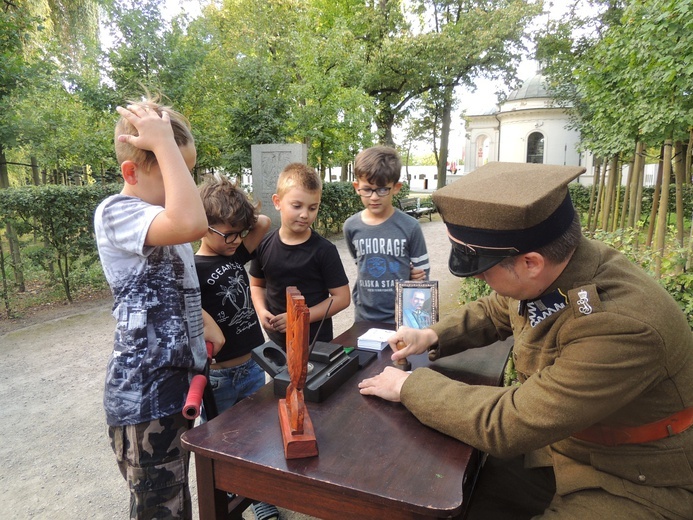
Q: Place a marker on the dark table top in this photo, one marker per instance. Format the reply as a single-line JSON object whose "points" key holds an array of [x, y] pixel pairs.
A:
{"points": [[373, 454]]}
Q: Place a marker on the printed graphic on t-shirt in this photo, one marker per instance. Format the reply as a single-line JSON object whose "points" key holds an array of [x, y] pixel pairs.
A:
{"points": [[236, 292], [152, 331]]}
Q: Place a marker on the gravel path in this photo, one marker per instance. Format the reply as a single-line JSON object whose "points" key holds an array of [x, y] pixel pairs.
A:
{"points": [[58, 463]]}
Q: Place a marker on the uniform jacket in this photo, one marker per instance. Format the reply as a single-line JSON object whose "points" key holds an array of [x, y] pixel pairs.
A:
{"points": [[605, 344]]}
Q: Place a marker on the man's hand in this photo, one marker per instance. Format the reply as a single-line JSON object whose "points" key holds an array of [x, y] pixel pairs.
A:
{"points": [[387, 384], [416, 341], [279, 322]]}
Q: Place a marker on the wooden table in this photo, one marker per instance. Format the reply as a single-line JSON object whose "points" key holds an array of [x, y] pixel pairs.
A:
{"points": [[376, 460]]}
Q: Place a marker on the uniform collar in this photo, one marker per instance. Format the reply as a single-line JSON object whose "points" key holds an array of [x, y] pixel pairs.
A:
{"points": [[580, 270]]}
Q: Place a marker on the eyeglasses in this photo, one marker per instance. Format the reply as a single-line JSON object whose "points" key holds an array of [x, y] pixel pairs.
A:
{"points": [[230, 237], [368, 192]]}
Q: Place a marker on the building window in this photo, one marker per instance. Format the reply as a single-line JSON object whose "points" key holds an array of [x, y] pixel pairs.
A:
{"points": [[535, 148]]}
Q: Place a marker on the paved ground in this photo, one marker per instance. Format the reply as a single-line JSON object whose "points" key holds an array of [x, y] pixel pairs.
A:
{"points": [[57, 461]]}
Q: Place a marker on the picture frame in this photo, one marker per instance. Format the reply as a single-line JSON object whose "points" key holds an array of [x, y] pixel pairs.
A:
{"points": [[416, 303]]}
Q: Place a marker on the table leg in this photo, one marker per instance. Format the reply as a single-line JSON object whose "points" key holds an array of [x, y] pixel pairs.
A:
{"points": [[213, 503]]}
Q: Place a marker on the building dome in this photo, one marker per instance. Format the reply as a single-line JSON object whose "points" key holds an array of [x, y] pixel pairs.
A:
{"points": [[534, 87]]}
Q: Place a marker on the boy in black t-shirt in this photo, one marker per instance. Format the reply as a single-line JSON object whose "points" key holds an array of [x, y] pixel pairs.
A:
{"points": [[295, 255], [234, 231]]}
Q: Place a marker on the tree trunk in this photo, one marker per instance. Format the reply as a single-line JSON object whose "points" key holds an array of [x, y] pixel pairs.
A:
{"points": [[625, 207], [384, 120], [10, 232], [595, 205], [636, 177], [5, 291], [609, 193], [655, 201], [35, 173], [616, 204], [678, 179], [689, 151], [661, 234], [445, 137]]}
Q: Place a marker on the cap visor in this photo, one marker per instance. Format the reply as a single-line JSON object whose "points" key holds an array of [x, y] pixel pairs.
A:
{"points": [[468, 265]]}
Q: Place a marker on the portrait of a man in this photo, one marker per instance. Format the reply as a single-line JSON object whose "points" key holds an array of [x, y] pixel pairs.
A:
{"points": [[416, 312]]}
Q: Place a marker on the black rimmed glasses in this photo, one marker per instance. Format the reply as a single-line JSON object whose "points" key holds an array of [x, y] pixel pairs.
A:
{"points": [[368, 192], [229, 238]]}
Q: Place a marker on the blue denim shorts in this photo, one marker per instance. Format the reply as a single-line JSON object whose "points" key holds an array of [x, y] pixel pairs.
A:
{"points": [[232, 384]]}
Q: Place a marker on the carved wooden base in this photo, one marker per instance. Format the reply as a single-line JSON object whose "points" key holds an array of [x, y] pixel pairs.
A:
{"points": [[297, 446]]}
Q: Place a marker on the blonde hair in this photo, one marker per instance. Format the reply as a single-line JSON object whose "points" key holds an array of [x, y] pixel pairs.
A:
{"points": [[298, 175], [146, 158], [226, 203]]}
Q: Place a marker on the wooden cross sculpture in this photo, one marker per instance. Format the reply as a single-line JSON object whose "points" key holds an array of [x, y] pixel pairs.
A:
{"points": [[297, 429]]}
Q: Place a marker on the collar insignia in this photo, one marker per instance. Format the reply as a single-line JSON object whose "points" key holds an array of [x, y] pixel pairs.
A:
{"points": [[539, 310]]}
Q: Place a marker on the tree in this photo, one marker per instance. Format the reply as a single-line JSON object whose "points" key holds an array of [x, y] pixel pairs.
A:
{"points": [[453, 43], [630, 82], [138, 54]]}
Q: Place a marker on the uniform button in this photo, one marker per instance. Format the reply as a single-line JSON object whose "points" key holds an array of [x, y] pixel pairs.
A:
{"points": [[642, 478]]}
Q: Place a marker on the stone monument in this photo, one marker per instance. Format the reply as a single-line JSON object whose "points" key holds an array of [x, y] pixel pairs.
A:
{"points": [[268, 160]]}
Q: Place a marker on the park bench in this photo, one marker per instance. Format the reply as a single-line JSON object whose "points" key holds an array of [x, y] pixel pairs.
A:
{"points": [[411, 206]]}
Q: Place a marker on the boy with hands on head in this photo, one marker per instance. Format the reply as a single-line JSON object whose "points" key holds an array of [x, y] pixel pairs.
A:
{"points": [[143, 236]]}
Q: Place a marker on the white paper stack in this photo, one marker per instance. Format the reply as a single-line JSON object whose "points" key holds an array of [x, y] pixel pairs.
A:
{"points": [[374, 339]]}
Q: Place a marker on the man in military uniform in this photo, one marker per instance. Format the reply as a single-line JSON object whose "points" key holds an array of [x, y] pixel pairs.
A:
{"points": [[601, 425]]}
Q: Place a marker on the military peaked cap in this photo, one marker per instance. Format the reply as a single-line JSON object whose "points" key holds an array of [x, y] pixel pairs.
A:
{"points": [[504, 209]]}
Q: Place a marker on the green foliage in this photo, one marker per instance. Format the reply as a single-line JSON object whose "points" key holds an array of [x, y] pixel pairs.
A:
{"points": [[580, 195], [472, 289], [673, 279], [339, 201], [622, 72], [680, 286], [58, 222]]}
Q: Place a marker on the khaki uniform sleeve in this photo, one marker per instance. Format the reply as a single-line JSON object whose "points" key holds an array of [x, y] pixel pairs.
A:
{"points": [[474, 325]]}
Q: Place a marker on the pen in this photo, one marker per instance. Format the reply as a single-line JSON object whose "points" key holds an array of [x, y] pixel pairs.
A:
{"points": [[338, 366], [315, 339]]}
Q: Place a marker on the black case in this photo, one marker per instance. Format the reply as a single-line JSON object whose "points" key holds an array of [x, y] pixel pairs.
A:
{"points": [[324, 377]]}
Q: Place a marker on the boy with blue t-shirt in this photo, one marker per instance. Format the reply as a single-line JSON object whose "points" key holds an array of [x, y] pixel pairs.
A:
{"points": [[143, 236], [295, 255], [386, 243]]}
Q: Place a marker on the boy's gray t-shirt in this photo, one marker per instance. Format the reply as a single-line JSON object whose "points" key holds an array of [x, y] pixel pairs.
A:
{"points": [[383, 254], [159, 338]]}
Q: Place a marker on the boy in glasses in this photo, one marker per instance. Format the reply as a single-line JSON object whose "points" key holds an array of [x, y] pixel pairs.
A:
{"points": [[234, 231], [386, 243]]}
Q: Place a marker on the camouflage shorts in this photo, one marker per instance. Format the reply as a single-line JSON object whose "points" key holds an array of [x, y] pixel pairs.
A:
{"points": [[155, 466]]}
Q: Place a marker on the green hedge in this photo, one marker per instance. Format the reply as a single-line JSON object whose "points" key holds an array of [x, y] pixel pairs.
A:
{"points": [[54, 224], [339, 201], [581, 198]]}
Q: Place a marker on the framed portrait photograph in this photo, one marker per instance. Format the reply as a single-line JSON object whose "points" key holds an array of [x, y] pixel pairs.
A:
{"points": [[416, 305]]}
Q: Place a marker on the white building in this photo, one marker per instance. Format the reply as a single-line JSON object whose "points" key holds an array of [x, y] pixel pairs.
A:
{"points": [[527, 127]]}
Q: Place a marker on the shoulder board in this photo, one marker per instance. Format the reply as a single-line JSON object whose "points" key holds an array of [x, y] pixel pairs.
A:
{"points": [[585, 300]]}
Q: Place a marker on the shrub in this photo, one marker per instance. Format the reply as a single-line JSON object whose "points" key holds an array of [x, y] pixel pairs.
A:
{"points": [[57, 223]]}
